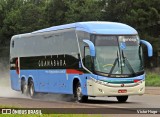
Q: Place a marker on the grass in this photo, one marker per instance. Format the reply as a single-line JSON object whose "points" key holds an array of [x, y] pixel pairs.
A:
{"points": [[152, 79]]}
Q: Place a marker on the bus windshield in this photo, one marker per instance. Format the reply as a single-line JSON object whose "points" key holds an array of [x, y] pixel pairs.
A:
{"points": [[118, 55]]}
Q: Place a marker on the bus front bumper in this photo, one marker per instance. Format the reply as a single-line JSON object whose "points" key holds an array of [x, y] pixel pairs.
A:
{"points": [[97, 89]]}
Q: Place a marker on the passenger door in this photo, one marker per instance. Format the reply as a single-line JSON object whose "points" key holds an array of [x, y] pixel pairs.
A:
{"points": [[88, 63]]}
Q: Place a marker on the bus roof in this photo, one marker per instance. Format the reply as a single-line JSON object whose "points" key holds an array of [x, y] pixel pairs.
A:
{"points": [[95, 27]]}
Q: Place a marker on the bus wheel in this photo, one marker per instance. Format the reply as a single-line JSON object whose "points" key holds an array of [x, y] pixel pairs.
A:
{"points": [[24, 88], [31, 89], [122, 98], [79, 96]]}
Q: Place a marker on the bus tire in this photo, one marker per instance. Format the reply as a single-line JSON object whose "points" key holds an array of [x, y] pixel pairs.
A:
{"points": [[24, 88], [31, 89], [79, 96], [122, 99]]}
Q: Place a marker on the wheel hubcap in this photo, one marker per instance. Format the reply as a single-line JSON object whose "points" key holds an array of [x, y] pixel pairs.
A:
{"points": [[79, 93], [25, 89], [31, 90]]}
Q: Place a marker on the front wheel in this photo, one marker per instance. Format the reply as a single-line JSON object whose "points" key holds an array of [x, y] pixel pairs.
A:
{"points": [[32, 92], [79, 96], [122, 99]]}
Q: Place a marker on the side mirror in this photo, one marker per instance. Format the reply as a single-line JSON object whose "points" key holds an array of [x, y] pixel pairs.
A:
{"points": [[149, 47], [91, 47]]}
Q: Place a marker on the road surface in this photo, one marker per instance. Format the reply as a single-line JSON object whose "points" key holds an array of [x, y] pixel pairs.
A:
{"points": [[48, 101], [12, 98]]}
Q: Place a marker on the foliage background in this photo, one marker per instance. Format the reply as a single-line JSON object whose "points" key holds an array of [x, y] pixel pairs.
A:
{"points": [[23, 16]]}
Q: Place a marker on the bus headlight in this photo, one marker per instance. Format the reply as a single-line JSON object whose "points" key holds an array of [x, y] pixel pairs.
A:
{"points": [[99, 81]]}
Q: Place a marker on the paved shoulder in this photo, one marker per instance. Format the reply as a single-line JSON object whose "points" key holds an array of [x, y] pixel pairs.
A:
{"points": [[153, 90]]}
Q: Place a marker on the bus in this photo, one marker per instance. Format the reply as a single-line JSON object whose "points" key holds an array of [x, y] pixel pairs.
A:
{"points": [[85, 59]]}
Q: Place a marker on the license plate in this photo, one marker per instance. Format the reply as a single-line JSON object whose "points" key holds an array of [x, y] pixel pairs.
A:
{"points": [[122, 91]]}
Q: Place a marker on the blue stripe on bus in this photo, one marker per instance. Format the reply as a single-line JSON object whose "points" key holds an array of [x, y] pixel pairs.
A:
{"points": [[121, 80]]}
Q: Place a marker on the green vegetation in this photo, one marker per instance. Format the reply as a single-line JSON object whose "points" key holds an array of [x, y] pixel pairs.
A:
{"points": [[152, 79], [23, 16]]}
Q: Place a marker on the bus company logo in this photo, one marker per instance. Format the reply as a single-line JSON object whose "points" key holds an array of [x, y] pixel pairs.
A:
{"points": [[122, 85], [6, 111]]}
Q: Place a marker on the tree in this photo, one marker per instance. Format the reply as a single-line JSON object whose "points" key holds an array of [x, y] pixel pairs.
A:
{"points": [[55, 12], [83, 10], [69, 11], [21, 17], [5, 7]]}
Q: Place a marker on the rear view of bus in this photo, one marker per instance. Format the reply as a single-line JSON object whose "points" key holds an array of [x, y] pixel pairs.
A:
{"points": [[98, 59]]}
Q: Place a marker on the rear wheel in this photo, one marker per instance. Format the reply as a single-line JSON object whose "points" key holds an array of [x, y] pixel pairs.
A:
{"points": [[122, 99], [79, 96], [24, 88], [31, 89]]}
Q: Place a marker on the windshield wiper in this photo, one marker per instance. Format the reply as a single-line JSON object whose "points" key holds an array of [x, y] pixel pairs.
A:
{"points": [[125, 60], [114, 64]]}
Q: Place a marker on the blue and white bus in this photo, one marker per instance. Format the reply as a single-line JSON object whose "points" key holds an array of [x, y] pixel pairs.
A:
{"points": [[86, 59]]}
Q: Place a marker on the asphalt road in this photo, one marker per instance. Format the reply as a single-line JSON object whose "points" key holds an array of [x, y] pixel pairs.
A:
{"points": [[48, 101], [14, 98]]}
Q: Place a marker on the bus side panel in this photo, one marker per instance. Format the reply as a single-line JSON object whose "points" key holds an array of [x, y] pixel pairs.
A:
{"points": [[15, 80], [15, 73], [84, 83], [56, 81]]}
